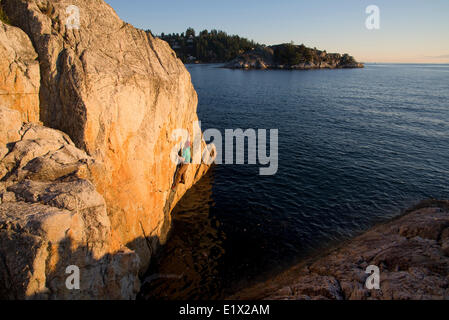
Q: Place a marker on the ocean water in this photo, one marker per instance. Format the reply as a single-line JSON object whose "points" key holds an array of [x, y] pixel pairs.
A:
{"points": [[356, 147]]}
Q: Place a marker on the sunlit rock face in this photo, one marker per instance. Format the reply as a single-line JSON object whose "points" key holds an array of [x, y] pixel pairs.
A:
{"points": [[19, 73], [118, 93]]}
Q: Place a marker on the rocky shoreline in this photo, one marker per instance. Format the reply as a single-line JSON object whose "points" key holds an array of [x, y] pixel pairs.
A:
{"points": [[291, 57], [411, 252]]}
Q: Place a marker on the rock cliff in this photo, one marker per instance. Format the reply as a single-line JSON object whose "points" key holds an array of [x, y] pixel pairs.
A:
{"points": [[411, 252], [103, 201], [118, 93]]}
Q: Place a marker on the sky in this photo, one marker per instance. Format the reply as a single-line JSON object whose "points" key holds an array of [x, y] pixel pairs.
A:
{"points": [[410, 31]]}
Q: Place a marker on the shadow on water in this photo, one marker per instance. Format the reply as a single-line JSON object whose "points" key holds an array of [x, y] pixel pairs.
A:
{"points": [[186, 267], [210, 255]]}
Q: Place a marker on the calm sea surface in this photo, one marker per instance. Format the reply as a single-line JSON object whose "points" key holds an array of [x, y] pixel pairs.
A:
{"points": [[355, 148]]}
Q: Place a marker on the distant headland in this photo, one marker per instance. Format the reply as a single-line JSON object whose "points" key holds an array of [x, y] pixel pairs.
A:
{"points": [[240, 53], [292, 57]]}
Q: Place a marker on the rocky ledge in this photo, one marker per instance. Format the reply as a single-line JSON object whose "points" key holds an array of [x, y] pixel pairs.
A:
{"points": [[411, 252], [292, 57], [51, 217]]}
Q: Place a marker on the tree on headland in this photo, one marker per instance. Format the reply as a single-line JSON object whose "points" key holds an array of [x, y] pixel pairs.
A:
{"points": [[213, 46], [190, 32], [217, 46], [287, 54]]}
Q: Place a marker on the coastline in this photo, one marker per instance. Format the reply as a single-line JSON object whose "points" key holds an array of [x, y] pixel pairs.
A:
{"points": [[411, 251], [292, 57], [300, 67]]}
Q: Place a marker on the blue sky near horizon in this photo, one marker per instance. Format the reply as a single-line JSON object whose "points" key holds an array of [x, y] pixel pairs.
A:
{"points": [[410, 30]]}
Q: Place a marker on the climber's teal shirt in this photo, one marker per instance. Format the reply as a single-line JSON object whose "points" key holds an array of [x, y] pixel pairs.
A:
{"points": [[186, 155]]}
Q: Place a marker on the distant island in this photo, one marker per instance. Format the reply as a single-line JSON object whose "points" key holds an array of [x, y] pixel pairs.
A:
{"points": [[292, 57], [240, 53]]}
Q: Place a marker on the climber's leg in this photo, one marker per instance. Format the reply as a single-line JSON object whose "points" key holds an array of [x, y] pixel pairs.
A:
{"points": [[180, 174]]}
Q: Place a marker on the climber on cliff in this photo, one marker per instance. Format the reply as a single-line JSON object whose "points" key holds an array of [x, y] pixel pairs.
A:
{"points": [[185, 159]]}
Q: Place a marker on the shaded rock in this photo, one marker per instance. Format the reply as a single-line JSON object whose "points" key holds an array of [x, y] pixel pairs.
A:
{"points": [[38, 242], [312, 288], [44, 154], [411, 253], [19, 73]]}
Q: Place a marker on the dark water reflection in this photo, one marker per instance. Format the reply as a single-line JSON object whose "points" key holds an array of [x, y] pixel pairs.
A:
{"points": [[189, 263]]}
